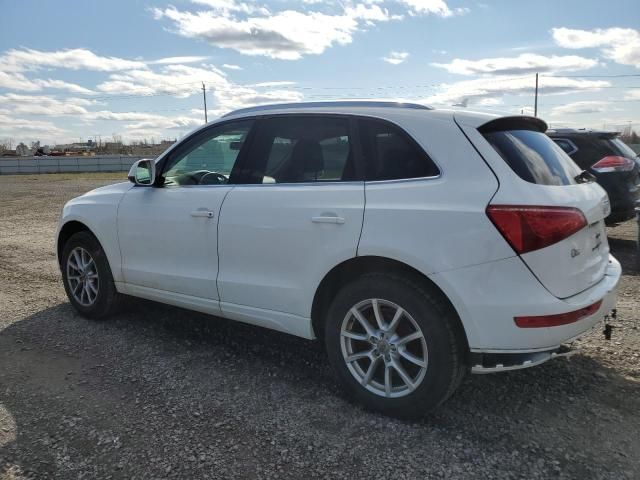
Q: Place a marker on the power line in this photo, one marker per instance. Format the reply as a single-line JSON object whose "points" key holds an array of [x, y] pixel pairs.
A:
{"points": [[594, 76]]}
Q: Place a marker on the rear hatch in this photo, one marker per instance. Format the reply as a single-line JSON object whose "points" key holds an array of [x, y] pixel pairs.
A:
{"points": [[551, 215]]}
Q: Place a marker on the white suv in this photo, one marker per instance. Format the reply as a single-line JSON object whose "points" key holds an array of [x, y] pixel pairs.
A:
{"points": [[418, 244]]}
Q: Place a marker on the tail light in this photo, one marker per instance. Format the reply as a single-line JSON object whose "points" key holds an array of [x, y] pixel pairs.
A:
{"points": [[529, 228], [613, 163], [557, 319]]}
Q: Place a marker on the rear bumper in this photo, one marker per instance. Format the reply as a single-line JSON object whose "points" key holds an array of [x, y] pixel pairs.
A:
{"points": [[505, 362], [489, 296]]}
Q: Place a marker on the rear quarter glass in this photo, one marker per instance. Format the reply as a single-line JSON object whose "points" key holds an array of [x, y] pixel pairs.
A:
{"points": [[534, 157]]}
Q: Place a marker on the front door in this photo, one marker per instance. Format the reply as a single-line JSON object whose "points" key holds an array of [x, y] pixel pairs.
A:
{"points": [[168, 234]]}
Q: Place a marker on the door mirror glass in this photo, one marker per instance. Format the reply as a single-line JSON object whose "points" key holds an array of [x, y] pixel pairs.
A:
{"points": [[143, 172]]}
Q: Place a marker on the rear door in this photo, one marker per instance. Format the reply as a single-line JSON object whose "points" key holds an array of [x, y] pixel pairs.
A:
{"points": [[534, 171], [297, 213]]}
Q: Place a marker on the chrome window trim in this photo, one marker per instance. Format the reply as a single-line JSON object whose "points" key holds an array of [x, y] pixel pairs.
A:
{"points": [[404, 180], [296, 184]]}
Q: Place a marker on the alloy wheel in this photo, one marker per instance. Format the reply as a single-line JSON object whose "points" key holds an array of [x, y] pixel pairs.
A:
{"points": [[82, 276], [384, 348]]}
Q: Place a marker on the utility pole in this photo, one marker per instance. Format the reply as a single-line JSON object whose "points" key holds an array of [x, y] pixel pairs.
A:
{"points": [[535, 105], [204, 96]]}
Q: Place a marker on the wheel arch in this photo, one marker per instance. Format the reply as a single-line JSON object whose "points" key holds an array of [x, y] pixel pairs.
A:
{"points": [[67, 230], [357, 266]]}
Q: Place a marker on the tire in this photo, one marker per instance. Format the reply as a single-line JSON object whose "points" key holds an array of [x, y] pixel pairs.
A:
{"points": [[434, 372], [100, 298]]}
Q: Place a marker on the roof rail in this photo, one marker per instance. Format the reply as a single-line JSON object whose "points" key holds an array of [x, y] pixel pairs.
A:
{"points": [[344, 103]]}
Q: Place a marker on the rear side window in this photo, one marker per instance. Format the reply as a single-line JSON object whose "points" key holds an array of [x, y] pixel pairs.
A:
{"points": [[302, 149], [534, 157], [390, 154]]}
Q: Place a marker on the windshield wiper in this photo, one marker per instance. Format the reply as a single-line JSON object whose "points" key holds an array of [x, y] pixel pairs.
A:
{"points": [[585, 177]]}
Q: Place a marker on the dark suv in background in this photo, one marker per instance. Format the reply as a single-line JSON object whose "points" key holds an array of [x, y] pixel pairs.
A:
{"points": [[614, 164]]}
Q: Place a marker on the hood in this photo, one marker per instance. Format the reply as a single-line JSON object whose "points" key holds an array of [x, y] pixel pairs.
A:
{"points": [[107, 194]]}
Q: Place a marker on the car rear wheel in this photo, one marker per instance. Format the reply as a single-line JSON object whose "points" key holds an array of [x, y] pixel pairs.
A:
{"points": [[394, 345], [87, 277]]}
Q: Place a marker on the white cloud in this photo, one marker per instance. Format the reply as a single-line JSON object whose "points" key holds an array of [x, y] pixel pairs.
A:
{"points": [[26, 129], [44, 105], [27, 59], [475, 91], [179, 80], [435, 7], [145, 121], [226, 6], [522, 64], [622, 45], [183, 81], [370, 13], [181, 60], [230, 66], [633, 95], [18, 81], [396, 58], [289, 34], [272, 84], [581, 107]]}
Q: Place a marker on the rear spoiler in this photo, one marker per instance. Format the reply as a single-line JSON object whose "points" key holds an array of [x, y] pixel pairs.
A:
{"points": [[516, 122]]}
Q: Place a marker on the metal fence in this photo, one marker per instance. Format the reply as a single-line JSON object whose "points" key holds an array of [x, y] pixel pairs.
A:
{"points": [[99, 163]]}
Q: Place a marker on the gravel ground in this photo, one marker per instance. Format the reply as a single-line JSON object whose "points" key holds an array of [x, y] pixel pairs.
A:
{"points": [[159, 392]]}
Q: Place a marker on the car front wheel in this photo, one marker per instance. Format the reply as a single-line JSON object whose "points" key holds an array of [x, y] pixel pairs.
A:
{"points": [[87, 277], [394, 346]]}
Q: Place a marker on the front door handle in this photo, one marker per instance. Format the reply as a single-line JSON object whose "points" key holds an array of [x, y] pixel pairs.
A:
{"points": [[328, 219], [202, 212]]}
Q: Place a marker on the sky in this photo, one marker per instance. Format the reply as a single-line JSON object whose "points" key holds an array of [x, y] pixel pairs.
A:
{"points": [[72, 70]]}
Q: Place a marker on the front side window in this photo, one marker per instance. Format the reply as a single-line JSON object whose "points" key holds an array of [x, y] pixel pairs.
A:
{"points": [[297, 149], [210, 159], [389, 153]]}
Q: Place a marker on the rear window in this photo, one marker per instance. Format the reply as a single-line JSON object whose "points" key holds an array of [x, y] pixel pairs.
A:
{"points": [[534, 157]]}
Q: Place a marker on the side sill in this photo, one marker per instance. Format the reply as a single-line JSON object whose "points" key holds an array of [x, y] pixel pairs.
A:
{"points": [[202, 305], [282, 322]]}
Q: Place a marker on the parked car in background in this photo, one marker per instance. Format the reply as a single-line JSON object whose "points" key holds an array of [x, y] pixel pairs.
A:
{"points": [[417, 244], [614, 164]]}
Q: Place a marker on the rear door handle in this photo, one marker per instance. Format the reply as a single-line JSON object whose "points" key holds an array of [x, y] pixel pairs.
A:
{"points": [[202, 212], [328, 219]]}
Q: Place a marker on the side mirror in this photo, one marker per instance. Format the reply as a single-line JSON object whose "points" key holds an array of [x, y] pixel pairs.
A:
{"points": [[143, 172]]}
